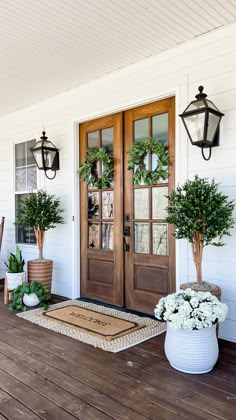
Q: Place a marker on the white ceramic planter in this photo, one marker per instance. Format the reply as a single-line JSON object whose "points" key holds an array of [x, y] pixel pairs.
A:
{"points": [[30, 300], [194, 351], [14, 280]]}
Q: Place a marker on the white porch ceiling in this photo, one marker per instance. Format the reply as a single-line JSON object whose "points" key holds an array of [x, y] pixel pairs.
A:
{"points": [[48, 47]]}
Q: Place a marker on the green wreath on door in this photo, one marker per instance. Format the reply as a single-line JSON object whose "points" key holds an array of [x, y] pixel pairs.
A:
{"points": [[137, 155], [89, 169]]}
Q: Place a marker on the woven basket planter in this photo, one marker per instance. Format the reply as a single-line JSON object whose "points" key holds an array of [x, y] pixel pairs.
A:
{"points": [[40, 270]]}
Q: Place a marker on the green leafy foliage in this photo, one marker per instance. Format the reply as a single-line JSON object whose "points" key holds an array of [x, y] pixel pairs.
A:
{"points": [[137, 154], [90, 172], [36, 287], [40, 210], [198, 206], [15, 262]]}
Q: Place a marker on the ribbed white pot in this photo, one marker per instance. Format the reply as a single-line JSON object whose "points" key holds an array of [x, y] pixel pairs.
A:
{"points": [[14, 280], [31, 299], [194, 351]]}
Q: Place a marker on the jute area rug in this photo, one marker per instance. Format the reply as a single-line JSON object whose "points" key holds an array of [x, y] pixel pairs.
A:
{"points": [[106, 328]]}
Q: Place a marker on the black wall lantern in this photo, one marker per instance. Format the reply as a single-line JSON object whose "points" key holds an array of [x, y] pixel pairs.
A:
{"points": [[201, 119], [46, 155]]}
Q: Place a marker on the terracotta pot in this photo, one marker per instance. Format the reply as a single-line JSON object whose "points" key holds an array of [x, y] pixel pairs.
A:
{"points": [[203, 287], [40, 270]]}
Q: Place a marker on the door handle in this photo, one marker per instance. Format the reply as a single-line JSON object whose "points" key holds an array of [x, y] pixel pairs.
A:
{"points": [[126, 231], [126, 246]]}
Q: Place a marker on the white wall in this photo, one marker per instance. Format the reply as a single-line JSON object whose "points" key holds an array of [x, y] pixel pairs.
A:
{"points": [[209, 60]]}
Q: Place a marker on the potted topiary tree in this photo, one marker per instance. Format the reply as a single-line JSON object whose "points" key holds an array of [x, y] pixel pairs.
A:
{"points": [[201, 214], [41, 211]]}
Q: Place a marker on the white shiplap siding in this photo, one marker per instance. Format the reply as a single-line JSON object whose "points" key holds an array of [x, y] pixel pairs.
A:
{"points": [[209, 60]]}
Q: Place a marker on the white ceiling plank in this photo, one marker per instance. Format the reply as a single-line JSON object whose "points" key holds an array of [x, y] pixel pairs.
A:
{"points": [[48, 47]]}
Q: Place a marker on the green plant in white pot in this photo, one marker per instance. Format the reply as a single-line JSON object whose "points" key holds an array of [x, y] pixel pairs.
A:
{"points": [[15, 274], [202, 215], [28, 295], [41, 211]]}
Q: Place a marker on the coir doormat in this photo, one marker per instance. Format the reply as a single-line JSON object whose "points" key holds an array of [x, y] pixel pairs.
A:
{"points": [[106, 328]]}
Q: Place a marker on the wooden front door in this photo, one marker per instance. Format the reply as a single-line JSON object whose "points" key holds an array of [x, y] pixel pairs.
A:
{"points": [[127, 249]]}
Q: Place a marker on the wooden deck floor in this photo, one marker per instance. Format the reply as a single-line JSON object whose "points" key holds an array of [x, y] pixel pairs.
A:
{"points": [[44, 375]]}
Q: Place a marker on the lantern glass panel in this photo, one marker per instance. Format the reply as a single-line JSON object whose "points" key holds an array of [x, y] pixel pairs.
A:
{"points": [[38, 158], [195, 105], [195, 125], [49, 156], [211, 105], [213, 122]]}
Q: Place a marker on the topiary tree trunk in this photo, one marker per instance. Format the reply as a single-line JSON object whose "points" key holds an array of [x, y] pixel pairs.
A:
{"points": [[197, 251], [40, 234]]}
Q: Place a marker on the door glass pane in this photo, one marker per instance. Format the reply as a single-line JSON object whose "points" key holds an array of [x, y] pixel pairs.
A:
{"points": [[107, 204], [160, 239], [93, 139], [107, 235], [160, 128], [159, 202], [93, 205], [93, 237], [140, 129], [107, 139], [141, 238], [141, 203]]}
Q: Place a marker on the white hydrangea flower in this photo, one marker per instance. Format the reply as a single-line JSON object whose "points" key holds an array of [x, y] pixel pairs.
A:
{"points": [[190, 310]]}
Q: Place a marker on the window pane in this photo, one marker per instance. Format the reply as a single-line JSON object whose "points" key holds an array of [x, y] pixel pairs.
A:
{"points": [[160, 128], [159, 202], [29, 157], [20, 156], [140, 129], [160, 239], [93, 139], [107, 205], [31, 178], [141, 238], [93, 205], [23, 234], [21, 179], [93, 235], [107, 235], [107, 139], [141, 203]]}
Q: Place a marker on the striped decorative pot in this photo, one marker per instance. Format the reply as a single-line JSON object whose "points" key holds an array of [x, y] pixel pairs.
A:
{"points": [[40, 270], [194, 351]]}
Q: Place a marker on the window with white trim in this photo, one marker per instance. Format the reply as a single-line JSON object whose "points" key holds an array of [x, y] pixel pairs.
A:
{"points": [[25, 182]]}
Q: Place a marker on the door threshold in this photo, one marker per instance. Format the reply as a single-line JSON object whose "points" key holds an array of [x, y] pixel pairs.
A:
{"points": [[117, 307]]}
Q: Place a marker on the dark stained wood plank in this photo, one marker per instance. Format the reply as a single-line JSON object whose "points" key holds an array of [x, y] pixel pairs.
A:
{"points": [[14, 410], [126, 397], [31, 399], [138, 378], [146, 392], [47, 388]]}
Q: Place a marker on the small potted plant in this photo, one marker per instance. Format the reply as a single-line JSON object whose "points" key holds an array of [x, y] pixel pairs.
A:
{"points": [[201, 214], [15, 269], [41, 211], [191, 345], [28, 295]]}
